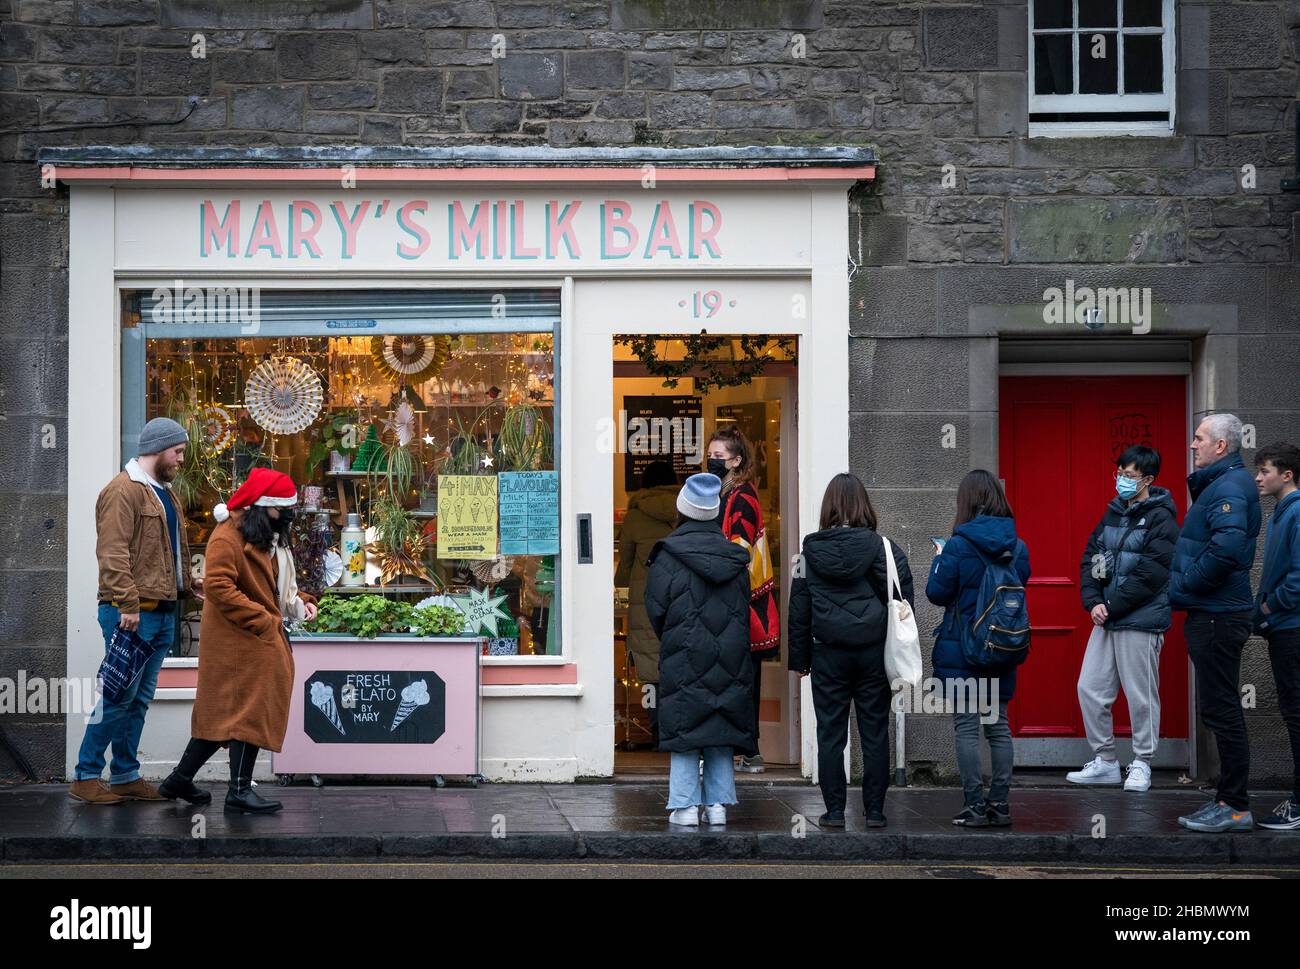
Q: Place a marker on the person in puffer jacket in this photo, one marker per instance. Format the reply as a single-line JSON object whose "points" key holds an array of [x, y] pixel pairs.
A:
{"points": [[838, 623], [1211, 580], [1124, 584], [697, 599]]}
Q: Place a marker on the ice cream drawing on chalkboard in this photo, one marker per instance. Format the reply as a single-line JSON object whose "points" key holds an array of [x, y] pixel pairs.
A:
{"points": [[322, 698], [416, 694]]}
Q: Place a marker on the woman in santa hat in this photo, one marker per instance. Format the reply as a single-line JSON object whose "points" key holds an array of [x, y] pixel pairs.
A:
{"points": [[245, 663]]}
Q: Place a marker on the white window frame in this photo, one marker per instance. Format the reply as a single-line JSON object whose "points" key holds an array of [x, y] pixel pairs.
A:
{"points": [[1093, 103]]}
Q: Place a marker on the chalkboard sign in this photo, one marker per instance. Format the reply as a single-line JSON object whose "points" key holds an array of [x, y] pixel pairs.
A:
{"points": [[662, 429], [374, 707]]}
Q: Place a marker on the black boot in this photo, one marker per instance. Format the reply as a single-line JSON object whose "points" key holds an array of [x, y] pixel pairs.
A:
{"points": [[241, 796], [180, 782]]}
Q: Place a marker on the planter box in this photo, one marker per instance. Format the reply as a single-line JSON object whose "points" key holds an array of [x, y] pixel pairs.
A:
{"points": [[398, 704]]}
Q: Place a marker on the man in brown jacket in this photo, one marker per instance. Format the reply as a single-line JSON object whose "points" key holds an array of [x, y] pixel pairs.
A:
{"points": [[143, 572]]}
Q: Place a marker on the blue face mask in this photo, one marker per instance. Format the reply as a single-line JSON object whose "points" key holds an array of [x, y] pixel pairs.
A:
{"points": [[1126, 487]]}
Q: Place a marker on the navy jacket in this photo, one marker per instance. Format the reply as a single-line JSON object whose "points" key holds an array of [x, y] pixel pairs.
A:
{"points": [[1212, 559], [1279, 585], [954, 583], [1133, 544]]}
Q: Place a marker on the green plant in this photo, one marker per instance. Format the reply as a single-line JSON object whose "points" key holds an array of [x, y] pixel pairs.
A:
{"points": [[524, 441], [366, 616], [465, 452], [333, 434], [437, 620], [203, 469], [393, 524], [399, 470], [701, 359]]}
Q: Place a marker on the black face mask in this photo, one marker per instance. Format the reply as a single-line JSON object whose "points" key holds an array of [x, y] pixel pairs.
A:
{"points": [[717, 466], [285, 521]]}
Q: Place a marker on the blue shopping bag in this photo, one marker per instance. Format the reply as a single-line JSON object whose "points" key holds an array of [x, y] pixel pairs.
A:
{"points": [[125, 658]]}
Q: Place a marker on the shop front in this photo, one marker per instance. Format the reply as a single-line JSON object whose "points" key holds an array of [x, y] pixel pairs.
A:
{"points": [[444, 355]]}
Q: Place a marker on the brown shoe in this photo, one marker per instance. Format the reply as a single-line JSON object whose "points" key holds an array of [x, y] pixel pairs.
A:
{"points": [[93, 791], [136, 790]]}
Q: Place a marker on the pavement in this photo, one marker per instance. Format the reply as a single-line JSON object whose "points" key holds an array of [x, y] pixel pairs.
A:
{"points": [[628, 822]]}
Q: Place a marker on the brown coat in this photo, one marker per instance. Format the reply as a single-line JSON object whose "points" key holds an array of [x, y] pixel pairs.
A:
{"points": [[245, 665], [132, 544]]}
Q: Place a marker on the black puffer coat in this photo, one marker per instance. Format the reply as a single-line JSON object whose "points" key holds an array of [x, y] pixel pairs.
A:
{"points": [[697, 599], [839, 598], [1125, 564]]}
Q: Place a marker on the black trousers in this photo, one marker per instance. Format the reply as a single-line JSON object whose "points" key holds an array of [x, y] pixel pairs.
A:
{"points": [[1284, 657], [841, 676], [1214, 643]]}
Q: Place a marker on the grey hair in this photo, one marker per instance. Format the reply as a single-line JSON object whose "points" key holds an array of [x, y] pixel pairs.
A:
{"points": [[1225, 427]]}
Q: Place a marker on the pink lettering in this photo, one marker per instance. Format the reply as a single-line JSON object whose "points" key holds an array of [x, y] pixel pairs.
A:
{"points": [[517, 248], [407, 223], [700, 236], [615, 217], [266, 233], [463, 232], [300, 235], [348, 225], [663, 233], [213, 234], [559, 228]]}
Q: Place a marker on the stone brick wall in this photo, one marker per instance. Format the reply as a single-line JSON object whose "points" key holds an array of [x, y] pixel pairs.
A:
{"points": [[929, 84]]}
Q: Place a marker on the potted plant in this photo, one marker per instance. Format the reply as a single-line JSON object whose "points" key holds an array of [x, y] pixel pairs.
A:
{"points": [[369, 616], [336, 435]]}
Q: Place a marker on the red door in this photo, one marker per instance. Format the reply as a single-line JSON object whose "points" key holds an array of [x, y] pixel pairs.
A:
{"points": [[1058, 441]]}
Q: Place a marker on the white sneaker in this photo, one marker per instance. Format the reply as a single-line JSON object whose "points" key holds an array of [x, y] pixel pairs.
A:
{"points": [[689, 816], [716, 813], [1139, 776], [1096, 771]]}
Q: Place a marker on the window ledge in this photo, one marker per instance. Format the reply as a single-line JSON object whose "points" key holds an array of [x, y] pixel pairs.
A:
{"points": [[1098, 129]]}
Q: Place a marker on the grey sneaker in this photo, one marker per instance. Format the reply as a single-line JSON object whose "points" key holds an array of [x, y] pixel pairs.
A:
{"points": [[751, 765], [1199, 813], [1221, 818]]}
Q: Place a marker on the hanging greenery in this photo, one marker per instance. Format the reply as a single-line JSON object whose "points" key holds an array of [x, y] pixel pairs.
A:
{"points": [[702, 361]]}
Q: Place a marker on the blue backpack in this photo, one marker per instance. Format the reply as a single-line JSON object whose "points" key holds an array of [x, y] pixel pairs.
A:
{"points": [[998, 635]]}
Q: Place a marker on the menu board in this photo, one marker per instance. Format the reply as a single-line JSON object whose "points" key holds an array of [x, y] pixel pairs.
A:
{"points": [[467, 516], [530, 512], [663, 429], [374, 707]]}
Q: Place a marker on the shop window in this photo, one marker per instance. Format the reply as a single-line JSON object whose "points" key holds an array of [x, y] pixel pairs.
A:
{"points": [[1101, 67], [431, 416]]}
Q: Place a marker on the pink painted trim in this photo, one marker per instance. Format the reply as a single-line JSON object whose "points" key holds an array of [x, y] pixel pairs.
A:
{"points": [[529, 675], [178, 678], [515, 175]]}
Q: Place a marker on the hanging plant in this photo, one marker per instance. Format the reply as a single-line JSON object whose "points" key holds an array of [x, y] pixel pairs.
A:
{"points": [[524, 441], [701, 355]]}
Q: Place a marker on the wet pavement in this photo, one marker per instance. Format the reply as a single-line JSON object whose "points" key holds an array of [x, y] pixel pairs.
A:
{"points": [[621, 821]]}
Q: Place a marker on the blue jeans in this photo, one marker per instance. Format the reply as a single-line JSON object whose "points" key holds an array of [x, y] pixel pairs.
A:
{"points": [[121, 724], [687, 789]]}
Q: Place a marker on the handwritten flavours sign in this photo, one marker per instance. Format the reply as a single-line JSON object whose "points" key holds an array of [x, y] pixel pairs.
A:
{"points": [[442, 231], [530, 512], [374, 707]]}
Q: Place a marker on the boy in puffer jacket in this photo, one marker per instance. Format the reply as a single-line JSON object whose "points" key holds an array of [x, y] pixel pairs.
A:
{"points": [[1124, 582]]}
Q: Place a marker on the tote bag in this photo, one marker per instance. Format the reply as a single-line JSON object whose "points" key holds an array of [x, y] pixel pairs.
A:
{"points": [[902, 639], [123, 660]]}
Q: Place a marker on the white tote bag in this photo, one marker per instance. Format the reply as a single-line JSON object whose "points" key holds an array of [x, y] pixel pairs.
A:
{"points": [[902, 640]]}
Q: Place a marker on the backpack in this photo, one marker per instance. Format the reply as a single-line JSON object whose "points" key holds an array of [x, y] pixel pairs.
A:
{"points": [[998, 634]]}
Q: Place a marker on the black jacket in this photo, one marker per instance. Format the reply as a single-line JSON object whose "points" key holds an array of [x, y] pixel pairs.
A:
{"points": [[697, 600], [838, 593], [1126, 562]]}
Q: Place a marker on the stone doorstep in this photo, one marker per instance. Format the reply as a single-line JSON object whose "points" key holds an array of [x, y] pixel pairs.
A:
{"points": [[982, 846]]}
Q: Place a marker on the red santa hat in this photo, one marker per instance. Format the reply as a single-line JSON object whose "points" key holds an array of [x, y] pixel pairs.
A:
{"points": [[264, 487]]}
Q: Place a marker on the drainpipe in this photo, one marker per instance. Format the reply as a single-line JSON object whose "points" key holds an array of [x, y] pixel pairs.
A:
{"points": [[900, 749]]}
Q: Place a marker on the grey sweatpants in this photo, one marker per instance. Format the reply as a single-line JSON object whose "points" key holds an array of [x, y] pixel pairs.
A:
{"points": [[1128, 658]]}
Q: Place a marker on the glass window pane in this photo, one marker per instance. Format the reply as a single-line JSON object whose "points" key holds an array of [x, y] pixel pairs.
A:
{"points": [[1098, 64], [1098, 13], [1142, 13], [1144, 69], [1053, 64], [1053, 13]]}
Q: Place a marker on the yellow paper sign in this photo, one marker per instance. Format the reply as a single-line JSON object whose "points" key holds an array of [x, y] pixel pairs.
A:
{"points": [[467, 516]]}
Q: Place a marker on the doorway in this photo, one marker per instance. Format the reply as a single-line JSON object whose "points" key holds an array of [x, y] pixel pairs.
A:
{"points": [[664, 432], [1059, 437]]}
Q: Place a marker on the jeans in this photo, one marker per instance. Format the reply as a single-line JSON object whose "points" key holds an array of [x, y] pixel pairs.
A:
{"points": [[1214, 643], [1284, 657], [998, 734], [841, 676], [686, 788], [121, 724]]}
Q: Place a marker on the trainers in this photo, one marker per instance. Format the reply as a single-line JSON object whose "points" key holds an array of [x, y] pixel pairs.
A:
{"points": [[136, 790], [93, 791], [1139, 776], [689, 816], [1285, 817], [999, 814], [972, 816], [716, 814], [751, 765], [1200, 812], [831, 819], [876, 818], [1221, 817], [1096, 771]]}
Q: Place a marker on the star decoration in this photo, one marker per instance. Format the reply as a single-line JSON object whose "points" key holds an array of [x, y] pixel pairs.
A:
{"points": [[428, 439], [481, 611], [487, 461]]}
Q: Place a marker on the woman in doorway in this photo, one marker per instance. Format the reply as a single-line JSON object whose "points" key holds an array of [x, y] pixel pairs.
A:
{"points": [[651, 515], [983, 530], [245, 662], [838, 623], [697, 600], [731, 458]]}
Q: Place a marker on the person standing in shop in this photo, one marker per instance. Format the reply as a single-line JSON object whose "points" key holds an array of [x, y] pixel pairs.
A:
{"points": [[245, 662], [143, 557], [651, 514], [731, 458], [697, 600]]}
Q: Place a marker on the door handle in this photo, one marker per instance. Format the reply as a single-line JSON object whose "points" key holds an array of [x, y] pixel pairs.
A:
{"points": [[584, 538]]}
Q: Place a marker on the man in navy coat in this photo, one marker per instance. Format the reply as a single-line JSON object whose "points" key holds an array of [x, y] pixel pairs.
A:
{"points": [[1210, 579]]}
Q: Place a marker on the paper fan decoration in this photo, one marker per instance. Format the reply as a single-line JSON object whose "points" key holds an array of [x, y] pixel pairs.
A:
{"points": [[410, 358], [492, 570], [283, 395], [218, 426], [332, 567], [402, 423]]}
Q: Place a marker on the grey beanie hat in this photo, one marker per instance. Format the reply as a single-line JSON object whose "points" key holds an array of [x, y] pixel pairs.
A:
{"points": [[160, 434]]}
